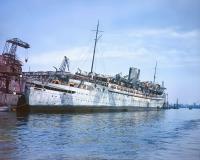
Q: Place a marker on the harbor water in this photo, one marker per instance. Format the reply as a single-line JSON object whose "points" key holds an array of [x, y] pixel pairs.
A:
{"points": [[153, 135]]}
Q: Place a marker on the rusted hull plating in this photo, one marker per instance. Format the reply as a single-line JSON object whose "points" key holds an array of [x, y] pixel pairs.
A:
{"points": [[9, 100]]}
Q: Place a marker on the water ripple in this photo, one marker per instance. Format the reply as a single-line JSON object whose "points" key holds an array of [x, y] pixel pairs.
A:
{"points": [[170, 134]]}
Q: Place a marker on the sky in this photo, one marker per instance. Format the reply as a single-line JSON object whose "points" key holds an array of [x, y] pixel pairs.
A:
{"points": [[136, 33]]}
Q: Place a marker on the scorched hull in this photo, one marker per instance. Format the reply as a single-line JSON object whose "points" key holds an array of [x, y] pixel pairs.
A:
{"points": [[76, 99]]}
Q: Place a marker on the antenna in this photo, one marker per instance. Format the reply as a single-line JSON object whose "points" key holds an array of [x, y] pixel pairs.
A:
{"points": [[177, 103], [97, 37], [154, 77]]}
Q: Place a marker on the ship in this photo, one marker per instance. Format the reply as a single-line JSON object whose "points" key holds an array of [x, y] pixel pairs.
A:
{"points": [[62, 90]]}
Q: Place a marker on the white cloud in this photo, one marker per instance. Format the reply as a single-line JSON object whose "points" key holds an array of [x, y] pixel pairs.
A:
{"points": [[56, 56], [164, 33], [142, 45]]}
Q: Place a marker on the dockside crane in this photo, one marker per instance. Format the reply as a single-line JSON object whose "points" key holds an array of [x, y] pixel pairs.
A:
{"points": [[9, 57], [12, 44], [64, 64], [10, 66]]}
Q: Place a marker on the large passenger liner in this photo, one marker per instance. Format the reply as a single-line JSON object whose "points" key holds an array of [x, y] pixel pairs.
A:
{"points": [[63, 90]]}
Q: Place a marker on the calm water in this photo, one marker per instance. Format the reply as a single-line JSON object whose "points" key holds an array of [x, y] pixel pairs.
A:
{"points": [[169, 134]]}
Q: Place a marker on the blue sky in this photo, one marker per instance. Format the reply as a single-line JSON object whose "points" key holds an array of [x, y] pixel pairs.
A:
{"points": [[136, 33]]}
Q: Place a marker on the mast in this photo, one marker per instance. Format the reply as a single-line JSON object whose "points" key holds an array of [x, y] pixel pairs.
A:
{"points": [[95, 43], [177, 105], [154, 77]]}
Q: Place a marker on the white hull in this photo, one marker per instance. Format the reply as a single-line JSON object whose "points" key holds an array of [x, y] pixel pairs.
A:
{"points": [[77, 97]]}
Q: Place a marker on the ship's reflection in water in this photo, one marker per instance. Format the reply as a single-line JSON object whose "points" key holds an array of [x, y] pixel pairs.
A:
{"points": [[169, 134]]}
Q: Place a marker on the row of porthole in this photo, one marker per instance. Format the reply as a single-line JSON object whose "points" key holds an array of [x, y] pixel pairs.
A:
{"points": [[86, 94], [94, 94], [103, 98], [88, 101], [95, 101]]}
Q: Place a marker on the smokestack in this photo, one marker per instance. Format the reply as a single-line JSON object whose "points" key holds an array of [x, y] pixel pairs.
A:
{"points": [[134, 74]]}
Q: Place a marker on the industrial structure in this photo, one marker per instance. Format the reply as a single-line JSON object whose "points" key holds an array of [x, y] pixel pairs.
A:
{"points": [[11, 81]]}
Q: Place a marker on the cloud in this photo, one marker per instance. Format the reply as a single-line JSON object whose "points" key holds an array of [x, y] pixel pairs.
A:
{"points": [[167, 45], [164, 33], [171, 47], [56, 56]]}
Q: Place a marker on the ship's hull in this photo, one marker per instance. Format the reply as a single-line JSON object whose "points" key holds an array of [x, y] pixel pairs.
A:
{"points": [[87, 109], [76, 99], [7, 99]]}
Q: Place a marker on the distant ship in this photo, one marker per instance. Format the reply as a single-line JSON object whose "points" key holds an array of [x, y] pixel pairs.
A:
{"points": [[63, 90]]}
